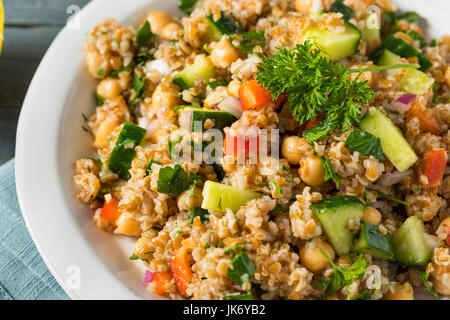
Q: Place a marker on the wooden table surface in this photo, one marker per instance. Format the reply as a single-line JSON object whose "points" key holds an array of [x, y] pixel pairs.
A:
{"points": [[30, 27]]}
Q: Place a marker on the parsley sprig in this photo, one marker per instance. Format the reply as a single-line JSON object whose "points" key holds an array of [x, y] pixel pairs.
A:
{"points": [[342, 276], [314, 85]]}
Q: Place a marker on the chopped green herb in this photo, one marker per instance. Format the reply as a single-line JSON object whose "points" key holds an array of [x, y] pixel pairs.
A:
{"points": [[173, 144], [338, 6], [365, 295], [149, 167], [173, 181], [100, 100], [243, 269], [342, 276], [134, 257], [191, 191], [145, 35], [365, 143], [199, 212], [246, 296], [227, 24], [219, 171], [385, 196], [100, 72], [277, 188], [139, 88], [434, 43], [249, 40], [115, 73], [278, 208], [409, 16], [428, 284], [187, 6], [329, 171], [415, 36], [218, 83], [143, 57], [232, 249]]}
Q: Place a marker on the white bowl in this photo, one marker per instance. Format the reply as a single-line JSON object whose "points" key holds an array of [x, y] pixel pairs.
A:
{"points": [[50, 139]]}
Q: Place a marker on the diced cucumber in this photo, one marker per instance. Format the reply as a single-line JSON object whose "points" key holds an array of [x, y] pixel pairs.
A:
{"points": [[388, 58], [410, 243], [201, 69], [219, 197], [334, 214], [371, 240], [336, 45], [123, 152], [394, 144], [404, 50], [225, 25], [415, 82], [189, 116]]}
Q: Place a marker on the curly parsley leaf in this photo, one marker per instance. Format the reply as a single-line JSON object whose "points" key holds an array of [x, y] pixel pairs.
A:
{"points": [[145, 36], [424, 276], [243, 269], [246, 296], [365, 143], [324, 87], [187, 6], [329, 171], [199, 212], [173, 181], [342, 276]]}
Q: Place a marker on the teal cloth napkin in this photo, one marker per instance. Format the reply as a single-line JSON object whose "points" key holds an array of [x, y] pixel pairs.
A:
{"points": [[23, 273]]}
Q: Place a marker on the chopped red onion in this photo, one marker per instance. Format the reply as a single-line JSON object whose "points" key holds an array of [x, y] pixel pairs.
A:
{"points": [[148, 276], [186, 119], [394, 177], [232, 105], [402, 104], [153, 126]]}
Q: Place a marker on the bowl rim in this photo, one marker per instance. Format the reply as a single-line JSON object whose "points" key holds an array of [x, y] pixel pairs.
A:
{"points": [[35, 179]]}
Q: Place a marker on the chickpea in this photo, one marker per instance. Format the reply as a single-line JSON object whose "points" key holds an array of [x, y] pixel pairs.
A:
{"points": [[187, 202], [311, 171], [96, 62], [401, 292], [169, 32], [158, 20], [127, 225], [312, 259], [292, 148], [103, 131], [372, 216], [447, 76], [303, 6], [224, 54], [233, 88], [165, 95], [109, 88]]}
